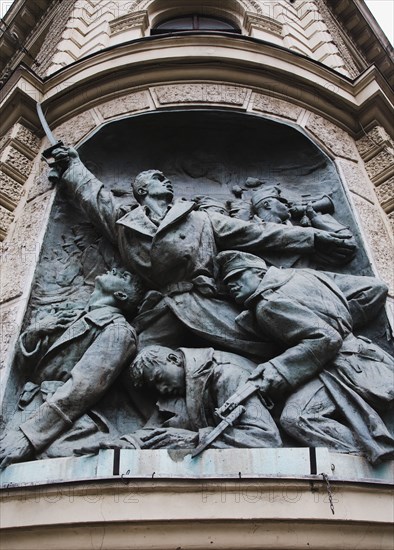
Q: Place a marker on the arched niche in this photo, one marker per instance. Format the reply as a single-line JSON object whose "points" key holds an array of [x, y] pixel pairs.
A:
{"points": [[204, 152]]}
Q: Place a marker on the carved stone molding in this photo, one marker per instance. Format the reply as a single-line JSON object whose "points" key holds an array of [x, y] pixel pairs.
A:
{"points": [[385, 193], [373, 142], [201, 93], [336, 139], [381, 167], [262, 22], [16, 162], [26, 137], [274, 106], [10, 191], [137, 101], [249, 5], [57, 27], [334, 30], [377, 150], [18, 148], [6, 218], [130, 21]]}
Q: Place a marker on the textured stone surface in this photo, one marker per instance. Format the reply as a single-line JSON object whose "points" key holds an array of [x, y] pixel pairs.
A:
{"points": [[133, 102], [201, 93], [6, 218], [4, 140], [334, 29], [274, 106], [391, 220], [385, 193], [17, 161], [20, 253], [48, 49], [25, 136], [9, 330], [333, 137], [378, 164], [40, 184], [374, 139], [378, 239], [10, 190], [356, 180], [76, 128]]}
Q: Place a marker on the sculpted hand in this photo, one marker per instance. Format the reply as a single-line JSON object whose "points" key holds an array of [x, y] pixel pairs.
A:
{"points": [[65, 156], [52, 323], [169, 438], [267, 378], [14, 447], [335, 248]]}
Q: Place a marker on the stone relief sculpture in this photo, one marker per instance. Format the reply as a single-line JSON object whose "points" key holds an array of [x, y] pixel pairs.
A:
{"points": [[187, 346]]}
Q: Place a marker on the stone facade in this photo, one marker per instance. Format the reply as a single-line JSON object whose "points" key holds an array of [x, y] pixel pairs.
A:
{"points": [[126, 513], [18, 148]]}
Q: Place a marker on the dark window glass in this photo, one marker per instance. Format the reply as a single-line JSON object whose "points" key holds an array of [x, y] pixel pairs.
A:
{"points": [[193, 23]]}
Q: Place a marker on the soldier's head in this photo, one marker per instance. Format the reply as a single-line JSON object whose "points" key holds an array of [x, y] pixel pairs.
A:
{"points": [[241, 272], [152, 183], [269, 205], [161, 368], [118, 288]]}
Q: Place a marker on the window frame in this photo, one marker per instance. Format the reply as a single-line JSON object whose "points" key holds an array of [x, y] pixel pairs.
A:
{"points": [[195, 22]]}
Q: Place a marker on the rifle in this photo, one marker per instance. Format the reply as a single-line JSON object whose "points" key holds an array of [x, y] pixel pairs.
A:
{"points": [[229, 412]]}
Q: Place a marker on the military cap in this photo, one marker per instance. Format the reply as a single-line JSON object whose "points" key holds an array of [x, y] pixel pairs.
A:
{"points": [[233, 261], [271, 192]]}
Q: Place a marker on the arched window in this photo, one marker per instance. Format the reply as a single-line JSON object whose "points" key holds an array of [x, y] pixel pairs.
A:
{"points": [[195, 23]]}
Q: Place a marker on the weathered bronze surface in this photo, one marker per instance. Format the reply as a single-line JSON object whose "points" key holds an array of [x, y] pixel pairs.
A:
{"points": [[245, 264]]}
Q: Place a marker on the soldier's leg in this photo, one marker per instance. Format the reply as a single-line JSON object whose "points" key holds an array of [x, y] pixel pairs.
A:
{"points": [[311, 417]]}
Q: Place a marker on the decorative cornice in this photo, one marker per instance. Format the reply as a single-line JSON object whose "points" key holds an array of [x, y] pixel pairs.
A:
{"points": [[129, 21], [334, 29], [244, 61], [365, 34], [262, 22], [25, 22]]}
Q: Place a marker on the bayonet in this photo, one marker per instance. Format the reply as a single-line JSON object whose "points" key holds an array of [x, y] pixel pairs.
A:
{"points": [[229, 413]]}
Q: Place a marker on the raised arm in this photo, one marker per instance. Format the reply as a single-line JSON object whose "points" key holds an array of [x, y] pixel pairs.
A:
{"points": [[88, 192]]}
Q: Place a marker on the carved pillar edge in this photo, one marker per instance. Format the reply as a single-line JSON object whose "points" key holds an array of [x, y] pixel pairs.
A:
{"points": [[377, 151], [18, 147]]}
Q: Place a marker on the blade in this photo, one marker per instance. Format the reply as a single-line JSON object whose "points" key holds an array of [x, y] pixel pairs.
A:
{"points": [[216, 432], [44, 124]]}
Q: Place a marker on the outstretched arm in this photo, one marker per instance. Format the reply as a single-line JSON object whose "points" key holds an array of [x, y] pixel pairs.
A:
{"points": [[231, 233], [88, 192]]}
